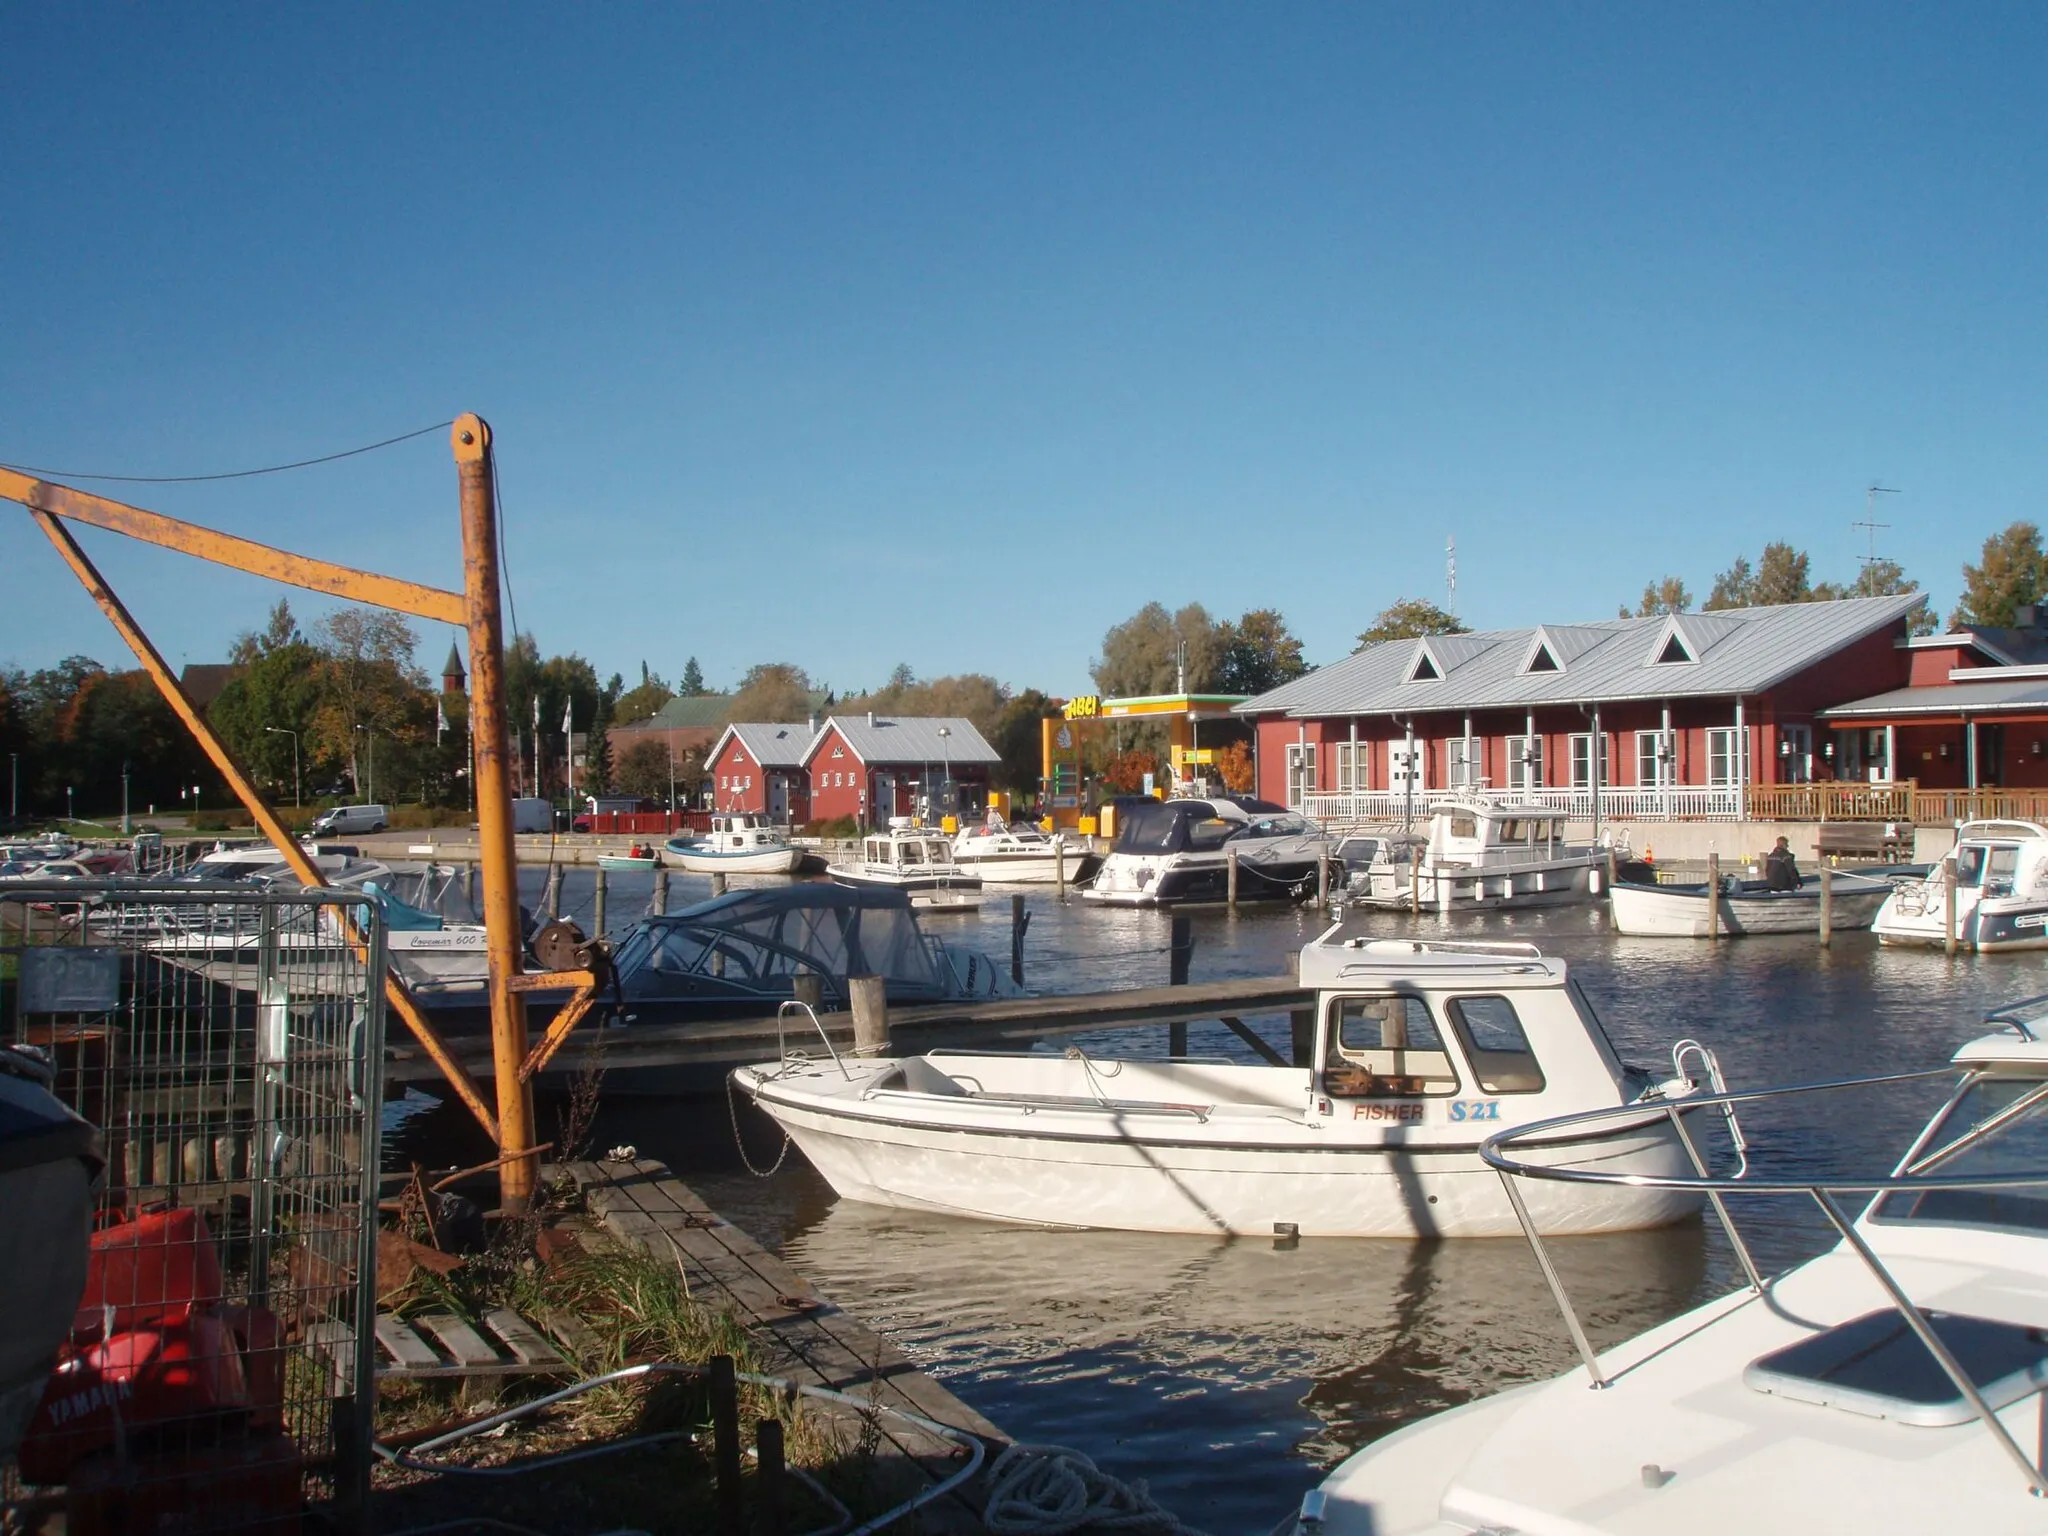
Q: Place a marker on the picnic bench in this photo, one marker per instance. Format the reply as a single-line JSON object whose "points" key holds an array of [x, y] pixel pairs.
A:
{"points": [[1889, 841]]}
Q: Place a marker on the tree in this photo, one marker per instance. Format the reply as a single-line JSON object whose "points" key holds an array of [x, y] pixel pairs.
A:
{"points": [[643, 700], [266, 712], [1780, 577], [597, 745], [1154, 652], [1125, 773], [1016, 738], [368, 685], [1886, 578], [1666, 596], [1733, 588], [693, 679], [2011, 573], [643, 770], [774, 693], [1409, 619], [1234, 767], [1258, 654]]}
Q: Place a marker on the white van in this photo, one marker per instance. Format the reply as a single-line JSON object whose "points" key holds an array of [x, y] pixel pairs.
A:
{"points": [[351, 818]]}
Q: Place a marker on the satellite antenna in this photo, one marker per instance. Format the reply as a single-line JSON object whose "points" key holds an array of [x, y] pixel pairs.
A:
{"points": [[1870, 524], [1451, 574]]}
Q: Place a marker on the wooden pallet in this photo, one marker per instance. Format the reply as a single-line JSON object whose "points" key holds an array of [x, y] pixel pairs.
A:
{"points": [[430, 1346]]}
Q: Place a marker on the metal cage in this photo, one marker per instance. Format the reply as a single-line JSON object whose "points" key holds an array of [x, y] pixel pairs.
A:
{"points": [[228, 1041]]}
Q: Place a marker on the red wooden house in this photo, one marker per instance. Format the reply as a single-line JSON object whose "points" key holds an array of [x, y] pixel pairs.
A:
{"points": [[874, 767], [761, 768]]}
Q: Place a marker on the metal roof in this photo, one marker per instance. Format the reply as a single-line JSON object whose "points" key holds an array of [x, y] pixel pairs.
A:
{"points": [[1988, 697], [772, 746], [1734, 651], [910, 739]]}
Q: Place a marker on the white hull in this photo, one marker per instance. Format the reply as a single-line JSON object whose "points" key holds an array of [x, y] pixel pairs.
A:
{"points": [[1680, 912], [1457, 889], [1164, 1171], [1020, 868], [766, 861]]}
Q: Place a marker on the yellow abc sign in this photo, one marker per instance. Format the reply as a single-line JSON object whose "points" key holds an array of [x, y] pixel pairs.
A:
{"points": [[1087, 707]]}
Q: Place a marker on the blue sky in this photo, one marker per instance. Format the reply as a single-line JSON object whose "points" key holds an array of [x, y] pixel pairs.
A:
{"points": [[953, 334]]}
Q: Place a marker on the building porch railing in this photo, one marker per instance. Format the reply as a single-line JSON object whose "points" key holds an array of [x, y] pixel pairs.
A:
{"points": [[1830, 800]]}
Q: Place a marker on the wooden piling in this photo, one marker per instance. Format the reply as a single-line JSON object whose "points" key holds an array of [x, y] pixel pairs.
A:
{"points": [[1059, 863], [869, 998], [598, 903], [808, 988], [552, 902], [1415, 882], [725, 1445], [1713, 896], [1230, 875], [661, 891], [1322, 885], [1827, 906], [717, 883], [469, 886], [1019, 921], [1948, 906], [1182, 946]]}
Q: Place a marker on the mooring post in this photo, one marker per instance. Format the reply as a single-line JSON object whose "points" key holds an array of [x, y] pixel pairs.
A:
{"points": [[1948, 905], [768, 1453], [491, 742], [1019, 921], [1827, 906], [1059, 862], [808, 988], [661, 891], [469, 886], [1415, 882], [1713, 896], [1230, 876], [717, 883], [552, 902], [1182, 946], [1322, 885], [869, 998], [725, 1446], [598, 903]]}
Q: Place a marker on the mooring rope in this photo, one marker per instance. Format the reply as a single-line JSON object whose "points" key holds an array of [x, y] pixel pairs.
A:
{"points": [[1049, 1490]]}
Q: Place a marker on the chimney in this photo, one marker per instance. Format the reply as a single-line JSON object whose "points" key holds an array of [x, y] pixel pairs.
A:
{"points": [[2025, 616], [814, 722], [871, 719]]}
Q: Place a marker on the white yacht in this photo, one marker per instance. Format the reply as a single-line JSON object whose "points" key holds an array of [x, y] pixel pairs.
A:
{"points": [[1180, 850], [1420, 1050], [1475, 852], [906, 857], [1892, 1385], [739, 843], [1999, 873], [1012, 855]]}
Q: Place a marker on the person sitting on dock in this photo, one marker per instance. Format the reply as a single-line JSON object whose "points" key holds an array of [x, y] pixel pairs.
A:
{"points": [[1781, 870]]}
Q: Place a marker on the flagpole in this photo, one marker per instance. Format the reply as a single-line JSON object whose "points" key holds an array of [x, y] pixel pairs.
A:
{"points": [[536, 743]]}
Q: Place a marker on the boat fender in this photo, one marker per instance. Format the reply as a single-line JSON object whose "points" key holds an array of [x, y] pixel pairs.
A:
{"points": [[1593, 881]]}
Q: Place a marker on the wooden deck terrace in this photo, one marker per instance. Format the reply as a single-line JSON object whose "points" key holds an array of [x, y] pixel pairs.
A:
{"points": [[801, 1335], [1009, 1023]]}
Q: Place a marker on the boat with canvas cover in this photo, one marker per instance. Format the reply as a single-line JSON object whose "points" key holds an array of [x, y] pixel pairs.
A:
{"points": [[1419, 1050], [1999, 872], [1892, 1386], [1180, 850]]}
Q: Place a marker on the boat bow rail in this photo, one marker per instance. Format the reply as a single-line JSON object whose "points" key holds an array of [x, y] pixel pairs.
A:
{"points": [[1912, 1176]]}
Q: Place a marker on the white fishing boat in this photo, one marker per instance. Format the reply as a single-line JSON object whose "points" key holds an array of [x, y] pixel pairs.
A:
{"points": [[906, 857], [1892, 1385], [739, 843], [1998, 875], [1181, 850], [1011, 855], [1419, 1050], [1473, 852], [1744, 906]]}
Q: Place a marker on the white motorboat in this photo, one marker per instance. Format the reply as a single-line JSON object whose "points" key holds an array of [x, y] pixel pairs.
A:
{"points": [[1010, 855], [739, 843], [1892, 1385], [1181, 850], [1745, 906], [1998, 875], [906, 857], [1419, 1049], [1475, 852]]}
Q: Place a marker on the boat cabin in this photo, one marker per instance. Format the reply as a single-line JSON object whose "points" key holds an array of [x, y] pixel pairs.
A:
{"points": [[1477, 831], [1189, 826], [1439, 1032], [2002, 858], [907, 847]]}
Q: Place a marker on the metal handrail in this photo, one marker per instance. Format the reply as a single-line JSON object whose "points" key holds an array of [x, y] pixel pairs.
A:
{"points": [[782, 1050], [1822, 1192]]}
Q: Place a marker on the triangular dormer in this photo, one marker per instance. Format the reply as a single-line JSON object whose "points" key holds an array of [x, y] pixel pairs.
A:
{"points": [[1542, 659], [1672, 647], [1424, 668]]}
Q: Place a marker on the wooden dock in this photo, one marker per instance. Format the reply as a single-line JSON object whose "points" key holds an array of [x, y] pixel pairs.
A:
{"points": [[801, 1335], [1008, 1023]]}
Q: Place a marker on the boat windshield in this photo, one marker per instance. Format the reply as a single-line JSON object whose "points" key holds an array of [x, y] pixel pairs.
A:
{"points": [[1970, 860], [1997, 1126], [1288, 825], [1153, 828]]}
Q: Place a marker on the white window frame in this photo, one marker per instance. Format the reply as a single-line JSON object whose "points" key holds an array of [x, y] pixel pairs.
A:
{"points": [[1797, 765], [1461, 772], [1724, 756], [1525, 774], [1301, 772], [1582, 761], [1354, 767], [1663, 766]]}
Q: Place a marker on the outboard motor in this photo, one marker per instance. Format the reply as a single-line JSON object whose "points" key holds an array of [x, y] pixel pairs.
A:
{"points": [[50, 1160]]}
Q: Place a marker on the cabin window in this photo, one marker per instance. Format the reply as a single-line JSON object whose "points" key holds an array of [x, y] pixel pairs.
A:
{"points": [[1513, 832], [1386, 1048], [2000, 869], [1210, 832], [1496, 1044], [1970, 865], [1463, 825]]}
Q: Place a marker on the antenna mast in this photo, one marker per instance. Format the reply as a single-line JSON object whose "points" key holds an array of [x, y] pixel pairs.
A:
{"points": [[1870, 523], [1451, 574]]}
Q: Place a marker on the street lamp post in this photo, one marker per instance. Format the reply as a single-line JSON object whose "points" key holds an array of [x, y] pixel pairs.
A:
{"points": [[125, 828], [69, 813], [946, 757], [280, 730], [368, 787]]}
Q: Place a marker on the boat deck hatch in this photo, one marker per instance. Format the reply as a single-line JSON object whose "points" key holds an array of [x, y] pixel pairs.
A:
{"points": [[1876, 1366]]}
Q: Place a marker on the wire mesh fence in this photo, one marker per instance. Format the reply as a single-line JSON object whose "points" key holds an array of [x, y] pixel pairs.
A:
{"points": [[228, 1042]]}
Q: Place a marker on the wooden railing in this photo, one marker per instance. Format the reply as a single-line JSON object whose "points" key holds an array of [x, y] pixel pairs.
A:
{"points": [[1834, 800], [1904, 802]]}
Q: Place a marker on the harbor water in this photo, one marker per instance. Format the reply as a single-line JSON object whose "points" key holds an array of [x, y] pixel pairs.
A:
{"points": [[1229, 1374]]}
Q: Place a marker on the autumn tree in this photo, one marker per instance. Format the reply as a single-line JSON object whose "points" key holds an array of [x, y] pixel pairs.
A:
{"points": [[1409, 619], [1886, 578], [1235, 768], [1781, 576], [1665, 596], [368, 686], [2011, 573], [773, 693], [1258, 654]]}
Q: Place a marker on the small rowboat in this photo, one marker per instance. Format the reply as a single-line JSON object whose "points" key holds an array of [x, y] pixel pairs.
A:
{"points": [[639, 858]]}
